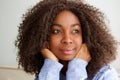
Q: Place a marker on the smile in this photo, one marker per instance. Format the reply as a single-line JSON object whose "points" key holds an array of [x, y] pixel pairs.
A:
{"points": [[67, 51]]}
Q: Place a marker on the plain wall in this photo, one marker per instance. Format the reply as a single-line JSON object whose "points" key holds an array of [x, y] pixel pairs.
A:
{"points": [[10, 16]]}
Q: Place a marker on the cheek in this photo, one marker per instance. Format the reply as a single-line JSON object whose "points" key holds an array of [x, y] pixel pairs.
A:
{"points": [[54, 42], [78, 41]]}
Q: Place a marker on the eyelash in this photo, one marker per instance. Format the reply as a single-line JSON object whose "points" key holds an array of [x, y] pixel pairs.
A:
{"points": [[56, 31], [75, 31]]}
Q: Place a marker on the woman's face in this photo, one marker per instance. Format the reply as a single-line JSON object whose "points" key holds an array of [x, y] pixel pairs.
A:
{"points": [[66, 36]]}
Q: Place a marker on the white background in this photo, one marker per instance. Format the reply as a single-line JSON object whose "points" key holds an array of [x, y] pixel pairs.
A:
{"points": [[10, 16]]}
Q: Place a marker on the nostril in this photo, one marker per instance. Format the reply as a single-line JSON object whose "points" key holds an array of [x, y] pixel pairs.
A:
{"points": [[67, 41], [67, 38]]}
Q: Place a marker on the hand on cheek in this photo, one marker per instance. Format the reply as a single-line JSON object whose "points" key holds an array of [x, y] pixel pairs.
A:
{"points": [[84, 53], [49, 55]]}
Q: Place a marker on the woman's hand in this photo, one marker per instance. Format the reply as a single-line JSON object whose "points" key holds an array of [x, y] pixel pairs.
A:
{"points": [[84, 53], [48, 54]]}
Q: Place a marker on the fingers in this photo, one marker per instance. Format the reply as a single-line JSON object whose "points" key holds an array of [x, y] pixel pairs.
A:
{"points": [[48, 54], [84, 53]]}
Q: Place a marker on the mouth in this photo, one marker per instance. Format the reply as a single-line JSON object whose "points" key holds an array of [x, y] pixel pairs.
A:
{"points": [[67, 51]]}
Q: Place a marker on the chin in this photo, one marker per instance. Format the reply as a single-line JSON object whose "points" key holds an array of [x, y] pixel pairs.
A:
{"points": [[66, 59]]}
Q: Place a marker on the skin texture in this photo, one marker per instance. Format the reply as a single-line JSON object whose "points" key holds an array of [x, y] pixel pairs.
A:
{"points": [[82, 54], [66, 39], [66, 36]]}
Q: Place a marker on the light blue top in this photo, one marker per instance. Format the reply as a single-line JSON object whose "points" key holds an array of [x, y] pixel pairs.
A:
{"points": [[76, 71]]}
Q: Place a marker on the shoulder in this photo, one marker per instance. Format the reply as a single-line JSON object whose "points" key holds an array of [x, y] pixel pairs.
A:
{"points": [[111, 73], [106, 73]]}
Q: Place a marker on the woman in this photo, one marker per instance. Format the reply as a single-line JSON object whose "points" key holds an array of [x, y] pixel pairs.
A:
{"points": [[66, 40]]}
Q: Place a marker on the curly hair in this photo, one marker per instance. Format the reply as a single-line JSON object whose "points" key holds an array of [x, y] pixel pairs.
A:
{"points": [[36, 25]]}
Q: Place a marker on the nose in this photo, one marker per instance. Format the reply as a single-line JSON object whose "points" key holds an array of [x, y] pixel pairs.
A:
{"points": [[67, 39]]}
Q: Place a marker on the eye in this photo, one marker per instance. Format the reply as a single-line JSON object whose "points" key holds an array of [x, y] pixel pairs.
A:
{"points": [[56, 31], [76, 31]]}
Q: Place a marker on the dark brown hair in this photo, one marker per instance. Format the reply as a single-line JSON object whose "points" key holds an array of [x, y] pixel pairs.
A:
{"points": [[36, 25]]}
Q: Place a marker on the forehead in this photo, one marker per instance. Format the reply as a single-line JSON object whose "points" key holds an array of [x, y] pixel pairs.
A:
{"points": [[66, 17], [65, 13]]}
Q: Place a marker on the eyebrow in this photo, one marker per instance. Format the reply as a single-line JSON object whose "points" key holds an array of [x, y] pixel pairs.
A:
{"points": [[59, 25], [77, 24]]}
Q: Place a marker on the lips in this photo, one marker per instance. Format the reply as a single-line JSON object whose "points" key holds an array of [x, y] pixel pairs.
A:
{"points": [[67, 50]]}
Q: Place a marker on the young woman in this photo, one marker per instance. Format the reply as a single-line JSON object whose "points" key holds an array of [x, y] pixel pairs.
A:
{"points": [[66, 40]]}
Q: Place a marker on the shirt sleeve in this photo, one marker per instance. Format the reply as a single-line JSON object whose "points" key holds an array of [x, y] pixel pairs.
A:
{"points": [[76, 70], [50, 70]]}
